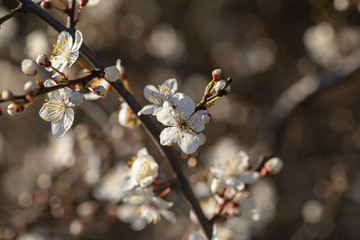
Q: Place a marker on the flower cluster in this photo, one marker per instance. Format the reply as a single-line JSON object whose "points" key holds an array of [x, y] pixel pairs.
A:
{"points": [[184, 120], [231, 179], [135, 185]]}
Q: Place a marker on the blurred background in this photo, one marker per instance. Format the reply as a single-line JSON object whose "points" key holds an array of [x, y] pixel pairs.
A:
{"points": [[295, 93]]}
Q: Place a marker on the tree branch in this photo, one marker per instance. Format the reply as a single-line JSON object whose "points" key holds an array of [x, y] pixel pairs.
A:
{"points": [[11, 14]]}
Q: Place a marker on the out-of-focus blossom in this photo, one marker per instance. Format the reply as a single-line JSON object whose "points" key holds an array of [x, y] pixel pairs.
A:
{"points": [[36, 43], [113, 184], [128, 213], [151, 208], [66, 51], [60, 153], [158, 96], [235, 171], [144, 169], [127, 118], [183, 125], [57, 110]]}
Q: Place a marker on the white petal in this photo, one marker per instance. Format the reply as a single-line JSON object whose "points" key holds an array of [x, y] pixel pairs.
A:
{"points": [[169, 135], [175, 99], [49, 83], [170, 83], [249, 177], [65, 35], [43, 112], [186, 106], [189, 143], [148, 109], [236, 183], [78, 41], [170, 216], [142, 152], [152, 94], [73, 58], [166, 116], [59, 128], [195, 122]]}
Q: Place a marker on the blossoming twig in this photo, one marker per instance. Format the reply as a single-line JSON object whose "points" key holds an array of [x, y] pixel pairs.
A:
{"points": [[149, 126]]}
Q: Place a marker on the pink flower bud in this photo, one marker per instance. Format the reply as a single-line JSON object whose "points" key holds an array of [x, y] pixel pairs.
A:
{"points": [[206, 118], [272, 166], [29, 67], [7, 95], [76, 98], [43, 60], [112, 73], [31, 88], [216, 74]]}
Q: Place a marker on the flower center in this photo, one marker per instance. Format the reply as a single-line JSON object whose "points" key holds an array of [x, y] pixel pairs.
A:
{"points": [[143, 170]]}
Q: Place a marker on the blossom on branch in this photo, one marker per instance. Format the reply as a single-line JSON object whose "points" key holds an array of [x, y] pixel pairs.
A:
{"points": [[158, 96], [184, 125], [66, 51], [235, 171], [58, 110]]}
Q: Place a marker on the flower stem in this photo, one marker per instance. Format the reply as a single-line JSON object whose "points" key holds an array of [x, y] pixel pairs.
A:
{"points": [[83, 65]]}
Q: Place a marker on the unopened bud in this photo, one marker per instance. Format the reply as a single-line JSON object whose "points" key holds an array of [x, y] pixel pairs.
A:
{"points": [[218, 186], [29, 67], [76, 98], [272, 166], [99, 90], [46, 5], [216, 74], [43, 60], [220, 85], [7, 95], [12, 110], [31, 88], [202, 138], [206, 118], [112, 73]]}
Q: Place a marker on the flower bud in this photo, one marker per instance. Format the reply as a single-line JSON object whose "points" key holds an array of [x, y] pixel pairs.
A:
{"points": [[202, 138], [43, 60], [272, 166], [112, 73], [46, 5], [218, 186], [216, 74], [206, 118], [12, 109], [7, 95], [98, 90], [127, 118], [29, 67], [31, 88], [220, 85], [76, 98]]}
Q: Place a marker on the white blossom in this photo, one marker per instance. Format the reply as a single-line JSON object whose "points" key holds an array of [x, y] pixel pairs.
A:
{"points": [[127, 118], [235, 171], [183, 125], [158, 96], [66, 51], [57, 110], [144, 169], [151, 208]]}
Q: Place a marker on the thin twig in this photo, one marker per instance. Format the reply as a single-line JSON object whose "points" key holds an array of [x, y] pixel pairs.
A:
{"points": [[148, 125], [11, 14]]}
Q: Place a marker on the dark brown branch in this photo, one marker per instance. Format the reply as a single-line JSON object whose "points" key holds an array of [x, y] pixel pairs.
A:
{"points": [[45, 90], [71, 14], [148, 125]]}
